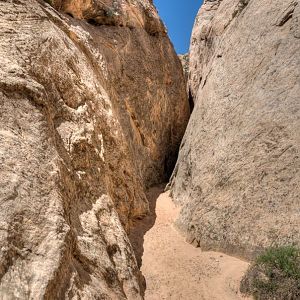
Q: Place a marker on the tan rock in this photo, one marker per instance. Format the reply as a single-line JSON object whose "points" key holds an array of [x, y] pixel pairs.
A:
{"points": [[185, 60], [238, 168], [90, 116]]}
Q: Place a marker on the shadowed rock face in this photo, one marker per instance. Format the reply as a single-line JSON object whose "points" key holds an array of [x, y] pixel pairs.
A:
{"points": [[92, 111], [238, 169]]}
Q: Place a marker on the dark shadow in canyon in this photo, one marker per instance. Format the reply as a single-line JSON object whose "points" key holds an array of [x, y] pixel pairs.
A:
{"points": [[171, 158], [191, 102], [141, 227]]}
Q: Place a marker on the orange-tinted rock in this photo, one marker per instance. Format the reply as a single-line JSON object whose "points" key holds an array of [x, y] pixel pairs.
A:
{"points": [[90, 116]]}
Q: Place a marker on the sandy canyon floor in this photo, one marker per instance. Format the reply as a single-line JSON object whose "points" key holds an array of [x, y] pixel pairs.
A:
{"points": [[173, 268]]}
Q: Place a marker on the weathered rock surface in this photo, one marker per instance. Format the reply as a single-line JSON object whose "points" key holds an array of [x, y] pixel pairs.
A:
{"points": [[185, 61], [238, 169], [93, 106]]}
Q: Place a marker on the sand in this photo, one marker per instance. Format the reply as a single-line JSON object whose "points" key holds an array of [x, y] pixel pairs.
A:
{"points": [[175, 269]]}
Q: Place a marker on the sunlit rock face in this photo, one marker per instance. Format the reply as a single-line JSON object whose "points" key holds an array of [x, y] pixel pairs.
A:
{"points": [[184, 58], [237, 174], [93, 107], [128, 13]]}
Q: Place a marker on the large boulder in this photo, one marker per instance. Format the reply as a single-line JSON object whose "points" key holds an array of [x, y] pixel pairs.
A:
{"points": [[237, 175], [92, 111]]}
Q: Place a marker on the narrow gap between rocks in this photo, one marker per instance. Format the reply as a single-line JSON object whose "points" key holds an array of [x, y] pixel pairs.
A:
{"points": [[171, 158], [171, 267]]}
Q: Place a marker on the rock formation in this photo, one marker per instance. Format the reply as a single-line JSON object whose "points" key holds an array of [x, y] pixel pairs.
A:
{"points": [[93, 108], [184, 58], [237, 174]]}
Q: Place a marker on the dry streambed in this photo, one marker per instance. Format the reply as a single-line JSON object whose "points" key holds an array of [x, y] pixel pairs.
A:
{"points": [[174, 269]]}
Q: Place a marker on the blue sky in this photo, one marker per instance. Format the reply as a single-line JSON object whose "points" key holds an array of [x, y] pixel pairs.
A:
{"points": [[179, 17]]}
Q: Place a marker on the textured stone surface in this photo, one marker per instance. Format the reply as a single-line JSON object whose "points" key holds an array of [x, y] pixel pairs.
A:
{"points": [[92, 108], [185, 60], [238, 169]]}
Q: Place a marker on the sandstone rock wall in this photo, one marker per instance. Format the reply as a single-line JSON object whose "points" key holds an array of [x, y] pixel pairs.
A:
{"points": [[93, 105], [237, 174], [185, 61]]}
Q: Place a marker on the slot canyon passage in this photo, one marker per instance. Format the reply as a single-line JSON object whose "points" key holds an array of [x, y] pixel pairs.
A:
{"points": [[97, 113]]}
